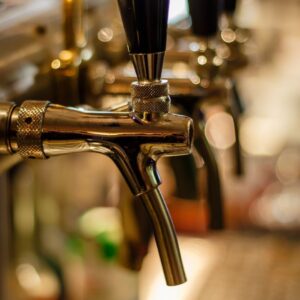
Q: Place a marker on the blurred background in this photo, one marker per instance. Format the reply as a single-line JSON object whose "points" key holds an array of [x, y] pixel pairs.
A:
{"points": [[67, 231]]}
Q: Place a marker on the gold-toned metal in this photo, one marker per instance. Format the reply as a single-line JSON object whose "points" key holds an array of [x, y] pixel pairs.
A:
{"points": [[6, 110], [29, 129], [74, 36], [234, 39], [70, 67]]}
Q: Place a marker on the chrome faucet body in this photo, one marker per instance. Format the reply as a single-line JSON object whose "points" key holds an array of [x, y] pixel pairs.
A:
{"points": [[134, 140]]}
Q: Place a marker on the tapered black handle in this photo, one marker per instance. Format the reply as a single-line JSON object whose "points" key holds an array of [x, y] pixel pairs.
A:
{"points": [[145, 23], [228, 5], [204, 14]]}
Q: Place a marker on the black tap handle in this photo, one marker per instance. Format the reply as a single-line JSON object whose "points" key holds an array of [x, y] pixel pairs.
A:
{"points": [[204, 14], [145, 23], [228, 6]]}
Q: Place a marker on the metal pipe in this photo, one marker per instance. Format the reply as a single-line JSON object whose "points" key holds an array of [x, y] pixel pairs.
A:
{"points": [[74, 36]]}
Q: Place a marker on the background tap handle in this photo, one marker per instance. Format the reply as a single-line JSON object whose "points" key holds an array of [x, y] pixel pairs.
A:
{"points": [[204, 14], [145, 23], [228, 6]]}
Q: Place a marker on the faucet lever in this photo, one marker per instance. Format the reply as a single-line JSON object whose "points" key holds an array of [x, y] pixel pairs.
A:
{"points": [[145, 24]]}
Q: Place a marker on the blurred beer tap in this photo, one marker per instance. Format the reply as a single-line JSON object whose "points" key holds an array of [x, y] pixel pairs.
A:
{"points": [[71, 66], [210, 66], [134, 140], [234, 38]]}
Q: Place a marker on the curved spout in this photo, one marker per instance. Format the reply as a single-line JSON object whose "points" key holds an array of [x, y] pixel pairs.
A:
{"points": [[165, 236]]}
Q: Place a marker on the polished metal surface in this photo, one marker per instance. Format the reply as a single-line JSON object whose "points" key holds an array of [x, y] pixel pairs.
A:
{"points": [[148, 66], [150, 97], [70, 67], [74, 35], [5, 113], [29, 129], [164, 235], [190, 95], [134, 144]]}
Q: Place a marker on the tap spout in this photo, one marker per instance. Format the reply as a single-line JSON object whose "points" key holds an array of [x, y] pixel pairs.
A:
{"points": [[165, 236]]}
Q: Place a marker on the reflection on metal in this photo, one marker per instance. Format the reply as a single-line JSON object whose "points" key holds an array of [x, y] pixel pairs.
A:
{"points": [[70, 68], [148, 66], [134, 144]]}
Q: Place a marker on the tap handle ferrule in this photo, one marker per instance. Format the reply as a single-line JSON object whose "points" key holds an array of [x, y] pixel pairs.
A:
{"points": [[204, 15], [145, 23]]}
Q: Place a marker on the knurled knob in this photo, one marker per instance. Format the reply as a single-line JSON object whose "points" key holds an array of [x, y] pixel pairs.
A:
{"points": [[150, 97], [30, 128]]}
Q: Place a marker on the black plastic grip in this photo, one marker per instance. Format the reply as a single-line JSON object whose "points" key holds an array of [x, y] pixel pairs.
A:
{"points": [[228, 5], [204, 14], [145, 23]]}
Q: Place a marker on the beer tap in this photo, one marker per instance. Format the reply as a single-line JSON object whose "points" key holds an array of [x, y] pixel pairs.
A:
{"points": [[70, 69], [210, 66], [232, 36], [134, 140], [189, 97]]}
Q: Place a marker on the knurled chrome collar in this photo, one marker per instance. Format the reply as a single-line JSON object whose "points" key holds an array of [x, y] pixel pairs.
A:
{"points": [[150, 97], [30, 128]]}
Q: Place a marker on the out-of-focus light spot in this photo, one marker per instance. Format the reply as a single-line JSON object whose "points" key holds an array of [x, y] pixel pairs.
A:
{"points": [[285, 208], [194, 46], [217, 61], [27, 276], [56, 64], [180, 69], [288, 166], [261, 136], [223, 51], [278, 207], [219, 130], [86, 54], [66, 55], [202, 60], [195, 79], [228, 35], [38, 285], [99, 220], [105, 34]]}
